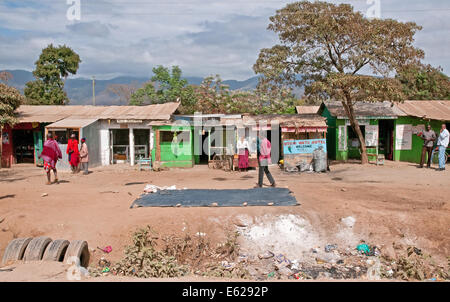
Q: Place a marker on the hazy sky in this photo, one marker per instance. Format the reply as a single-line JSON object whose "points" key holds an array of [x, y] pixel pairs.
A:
{"points": [[203, 37]]}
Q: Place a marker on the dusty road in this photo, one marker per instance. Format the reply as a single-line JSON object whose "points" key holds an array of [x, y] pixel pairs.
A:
{"points": [[392, 203]]}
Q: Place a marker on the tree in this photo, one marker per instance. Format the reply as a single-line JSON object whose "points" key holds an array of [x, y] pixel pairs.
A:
{"points": [[424, 82], [53, 67], [329, 45], [123, 91], [170, 88], [10, 99], [5, 76]]}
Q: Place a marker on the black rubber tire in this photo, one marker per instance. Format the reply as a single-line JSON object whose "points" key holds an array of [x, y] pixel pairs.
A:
{"points": [[79, 249], [56, 250], [15, 249], [35, 249]]}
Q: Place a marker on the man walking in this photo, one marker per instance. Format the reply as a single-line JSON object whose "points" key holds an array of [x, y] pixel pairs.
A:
{"points": [[84, 155], [428, 136], [263, 152], [442, 144], [50, 154]]}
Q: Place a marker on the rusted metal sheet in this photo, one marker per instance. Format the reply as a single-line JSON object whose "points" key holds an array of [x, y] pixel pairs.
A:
{"points": [[435, 110]]}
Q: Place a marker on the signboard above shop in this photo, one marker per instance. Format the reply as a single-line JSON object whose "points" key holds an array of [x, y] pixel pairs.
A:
{"points": [[129, 121], [303, 146]]}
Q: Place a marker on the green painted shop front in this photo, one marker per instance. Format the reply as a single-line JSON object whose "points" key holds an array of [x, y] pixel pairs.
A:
{"points": [[174, 147], [405, 146], [414, 153], [342, 142]]}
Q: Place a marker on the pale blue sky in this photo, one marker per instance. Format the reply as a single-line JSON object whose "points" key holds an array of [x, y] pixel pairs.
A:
{"points": [[203, 37]]}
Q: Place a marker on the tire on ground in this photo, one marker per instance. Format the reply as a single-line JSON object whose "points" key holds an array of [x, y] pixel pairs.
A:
{"points": [[15, 249], [35, 249], [79, 249], [56, 250]]}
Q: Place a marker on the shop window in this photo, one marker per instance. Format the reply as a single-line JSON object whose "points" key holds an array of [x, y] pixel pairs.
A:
{"points": [[167, 136], [353, 137]]}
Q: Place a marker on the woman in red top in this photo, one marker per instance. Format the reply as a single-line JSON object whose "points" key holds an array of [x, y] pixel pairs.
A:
{"points": [[74, 154]]}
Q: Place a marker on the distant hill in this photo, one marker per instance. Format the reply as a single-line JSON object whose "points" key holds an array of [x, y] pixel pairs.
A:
{"points": [[79, 90]]}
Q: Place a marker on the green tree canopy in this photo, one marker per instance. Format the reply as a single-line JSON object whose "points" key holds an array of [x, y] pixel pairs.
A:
{"points": [[329, 45], [424, 82], [53, 67], [170, 87], [10, 100]]}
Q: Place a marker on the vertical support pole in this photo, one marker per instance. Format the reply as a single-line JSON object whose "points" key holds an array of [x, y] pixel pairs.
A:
{"points": [[131, 134]]}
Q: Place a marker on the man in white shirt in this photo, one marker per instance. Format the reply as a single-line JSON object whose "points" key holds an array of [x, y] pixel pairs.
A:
{"points": [[442, 144]]}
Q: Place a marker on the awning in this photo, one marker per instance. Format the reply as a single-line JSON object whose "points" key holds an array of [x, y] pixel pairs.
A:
{"points": [[72, 123]]}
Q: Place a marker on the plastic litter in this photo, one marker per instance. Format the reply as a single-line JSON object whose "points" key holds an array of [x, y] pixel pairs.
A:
{"points": [[270, 275], [330, 247], [153, 189], [107, 249]]}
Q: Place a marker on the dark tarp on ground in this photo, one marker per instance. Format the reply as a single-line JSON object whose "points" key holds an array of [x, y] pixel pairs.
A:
{"points": [[223, 198]]}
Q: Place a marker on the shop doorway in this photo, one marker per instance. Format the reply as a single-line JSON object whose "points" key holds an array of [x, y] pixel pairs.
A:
{"points": [[386, 138], [119, 145], [23, 144]]}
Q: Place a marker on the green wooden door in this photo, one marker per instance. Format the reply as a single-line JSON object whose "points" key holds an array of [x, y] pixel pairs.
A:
{"points": [[37, 147]]}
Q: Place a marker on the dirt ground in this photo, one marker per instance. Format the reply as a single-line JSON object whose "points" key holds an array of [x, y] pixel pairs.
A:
{"points": [[396, 202]]}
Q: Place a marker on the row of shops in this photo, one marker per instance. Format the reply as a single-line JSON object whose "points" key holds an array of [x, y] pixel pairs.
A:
{"points": [[128, 134]]}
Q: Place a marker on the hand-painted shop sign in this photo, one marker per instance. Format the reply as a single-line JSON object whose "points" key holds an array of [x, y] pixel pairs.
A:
{"points": [[129, 121], [303, 146], [303, 129]]}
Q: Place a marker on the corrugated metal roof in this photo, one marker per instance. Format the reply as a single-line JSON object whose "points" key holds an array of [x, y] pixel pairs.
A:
{"points": [[307, 109], [286, 120], [365, 109], [435, 110], [53, 113], [72, 123]]}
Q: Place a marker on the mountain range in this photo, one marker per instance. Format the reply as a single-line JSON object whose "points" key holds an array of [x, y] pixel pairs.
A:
{"points": [[79, 90]]}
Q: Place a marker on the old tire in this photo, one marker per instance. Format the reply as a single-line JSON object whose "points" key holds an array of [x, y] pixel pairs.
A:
{"points": [[56, 250], [35, 249], [79, 249], [15, 249]]}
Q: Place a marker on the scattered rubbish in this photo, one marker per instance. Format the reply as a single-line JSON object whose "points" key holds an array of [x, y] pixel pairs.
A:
{"points": [[107, 249], [103, 262], [343, 189], [214, 204], [1, 220], [320, 261], [44, 194], [245, 204], [349, 221], [228, 265], [280, 258], [130, 194], [266, 255], [7, 269], [109, 192], [200, 234], [330, 247], [363, 248], [432, 279], [178, 205], [270, 275], [105, 270], [270, 204], [374, 272]]}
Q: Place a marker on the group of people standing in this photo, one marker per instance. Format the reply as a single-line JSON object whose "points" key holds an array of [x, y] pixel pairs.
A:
{"points": [[429, 138], [51, 153], [77, 157]]}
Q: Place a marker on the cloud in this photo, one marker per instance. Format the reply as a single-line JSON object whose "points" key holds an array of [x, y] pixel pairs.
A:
{"points": [[203, 37], [94, 28]]}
